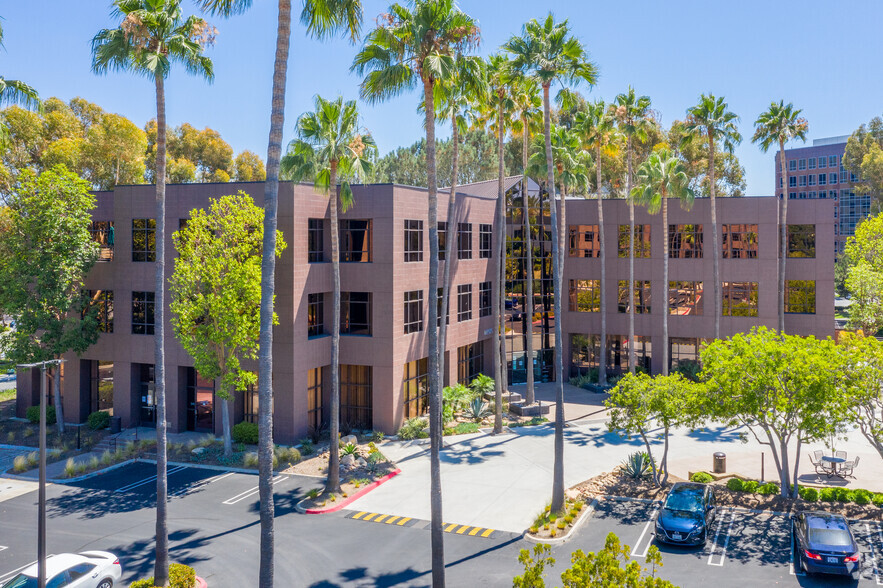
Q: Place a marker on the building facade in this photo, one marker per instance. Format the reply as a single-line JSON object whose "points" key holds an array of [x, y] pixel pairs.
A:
{"points": [[817, 172]]}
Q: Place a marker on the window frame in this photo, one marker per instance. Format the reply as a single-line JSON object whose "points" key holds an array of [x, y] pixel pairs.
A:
{"points": [[148, 300], [347, 326], [464, 302], [146, 228], [413, 236], [485, 304], [316, 315], [464, 240], [485, 241], [315, 238], [347, 242], [729, 302], [413, 311]]}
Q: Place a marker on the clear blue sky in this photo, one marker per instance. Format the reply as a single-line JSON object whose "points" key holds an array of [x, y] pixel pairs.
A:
{"points": [[822, 56]]}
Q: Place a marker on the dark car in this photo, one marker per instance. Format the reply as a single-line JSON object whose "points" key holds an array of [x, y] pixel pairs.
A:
{"points": [[823, 544], [686, 514]]}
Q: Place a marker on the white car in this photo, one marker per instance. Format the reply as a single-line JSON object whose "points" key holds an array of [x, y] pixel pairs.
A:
{"points": [[90, 569]]}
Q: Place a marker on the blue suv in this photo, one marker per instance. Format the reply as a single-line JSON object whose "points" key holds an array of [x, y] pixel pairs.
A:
{"points": [[688, 511]]}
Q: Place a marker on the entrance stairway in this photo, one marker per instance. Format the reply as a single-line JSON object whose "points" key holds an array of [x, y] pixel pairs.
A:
{"points": [[517, 405]]}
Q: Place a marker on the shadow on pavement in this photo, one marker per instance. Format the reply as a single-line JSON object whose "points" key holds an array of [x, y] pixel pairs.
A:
{"points": [[138, 558], [717, 433]]}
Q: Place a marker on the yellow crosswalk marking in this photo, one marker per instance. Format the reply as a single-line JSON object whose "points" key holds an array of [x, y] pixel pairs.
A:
{"points": [[449, 527], [359, 515], [487, 533], [461, 529], [403, 521], [380, 518], [474, 531], [370, 516], [391, 520]]}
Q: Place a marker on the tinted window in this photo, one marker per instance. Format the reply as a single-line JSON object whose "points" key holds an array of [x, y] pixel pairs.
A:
{"points": [[80, 570], [837, 537]]}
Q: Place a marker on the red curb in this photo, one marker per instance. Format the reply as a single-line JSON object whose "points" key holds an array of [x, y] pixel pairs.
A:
{"points": [[358, 494]]}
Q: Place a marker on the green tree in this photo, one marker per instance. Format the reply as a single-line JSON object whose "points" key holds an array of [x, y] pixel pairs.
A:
{"points": [[248, 167], [781, 387], [534, 566], [777, 125], [152, 36], [863, 257], [331, 147], [711, 121], [612, 566], [548, 52], [861, 363], [662, 177], [863, 158], [216, 293], [631, 113], [419, 45], [113, 152], [47, 252]]}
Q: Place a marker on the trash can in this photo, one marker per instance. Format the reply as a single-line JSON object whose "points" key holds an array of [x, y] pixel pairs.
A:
{"points": [[720, 463], [115, 424]]}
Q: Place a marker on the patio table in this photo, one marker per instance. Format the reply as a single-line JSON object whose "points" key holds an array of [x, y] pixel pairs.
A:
{"points": [[835, 463]]}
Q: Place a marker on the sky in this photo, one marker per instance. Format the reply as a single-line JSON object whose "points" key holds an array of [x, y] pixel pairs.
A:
{"points": [[821, 56]]}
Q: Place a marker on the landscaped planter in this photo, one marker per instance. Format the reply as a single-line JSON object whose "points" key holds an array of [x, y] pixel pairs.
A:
{"points": [[311, 506], [552, 528]]}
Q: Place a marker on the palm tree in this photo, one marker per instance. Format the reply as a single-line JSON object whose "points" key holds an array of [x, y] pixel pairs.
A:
{"points": [[411, 45], [527, 105], [330, 145], [152, 36], [779, 124], [711, 119], [630, 112], [597, 130], [662, 177], [323, 19], [547, 52]]}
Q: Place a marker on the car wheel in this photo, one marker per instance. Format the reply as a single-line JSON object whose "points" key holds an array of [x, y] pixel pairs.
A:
{"points": [[105, 583]]}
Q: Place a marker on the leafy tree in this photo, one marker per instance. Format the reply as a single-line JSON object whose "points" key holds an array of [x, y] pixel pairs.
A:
{"points": [[412, 45], [777, 125], [46, 251], [863, 258], [861, 362], [113, 152], [152, 35], [781, 387], [331, 147], [205, 150], [547, 52], [534, 565], [863, 157], [248, 167], [216, 293], [662, 177]]}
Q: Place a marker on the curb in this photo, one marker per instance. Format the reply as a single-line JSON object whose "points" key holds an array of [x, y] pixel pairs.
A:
{"points": [[590, 510], [70, 480], [349, 499], [204, 466], [200, 583]]}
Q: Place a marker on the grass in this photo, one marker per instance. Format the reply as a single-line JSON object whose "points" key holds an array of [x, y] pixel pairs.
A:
{"points": [[461, 429], [537, 420], [7, 395]]}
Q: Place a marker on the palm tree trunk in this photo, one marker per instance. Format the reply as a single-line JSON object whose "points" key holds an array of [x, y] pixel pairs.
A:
{"points": [[500, 308], [435, 402], [161, 566], [783, 227], [716, 241], [449, 252], [602, 359], [59, 408], [268, 288], [665, 289], [558, 466], [332, 482], [530, 396], [631, 284]]}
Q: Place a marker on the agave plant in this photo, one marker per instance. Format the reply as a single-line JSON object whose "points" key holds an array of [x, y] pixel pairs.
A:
{"points": [[477, 410], [637, 465], [349, 449]]}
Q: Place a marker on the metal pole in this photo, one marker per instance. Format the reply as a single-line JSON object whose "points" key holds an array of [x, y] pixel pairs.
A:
{"points": [[41, 523]]}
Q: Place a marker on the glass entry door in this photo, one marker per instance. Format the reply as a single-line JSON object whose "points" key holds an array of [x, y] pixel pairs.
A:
{"points": [[148, 395], [200, 402]]}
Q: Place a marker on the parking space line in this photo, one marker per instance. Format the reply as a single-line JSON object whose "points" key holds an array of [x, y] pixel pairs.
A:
{"points": [[185, 489], [643, 553], [2, 547], [148, 480], [874, 558], [252, 491], [723, 553]]}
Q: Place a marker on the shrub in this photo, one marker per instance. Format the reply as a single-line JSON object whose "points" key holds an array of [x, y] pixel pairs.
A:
{"points": [[768, 489], [734, 484], [250, 459], [20, 464], [106, 458], [314, 493], [477, 409], [843, 495], [809, 494], [751, 486], [288, 455], [561, 524], [350, 449], [878, 500], [862, 496], [306, 446], [246, 433], [461, 429], [377, 436], [637, 465], [412, 429], [99, 420], [827, 495], [147, 583], [701, 477], [181, 576], [33, 415]]}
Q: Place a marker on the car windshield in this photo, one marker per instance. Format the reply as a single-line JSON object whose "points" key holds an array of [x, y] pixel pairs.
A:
{"points": [[684, 501], [835, 537], [21, 581]]}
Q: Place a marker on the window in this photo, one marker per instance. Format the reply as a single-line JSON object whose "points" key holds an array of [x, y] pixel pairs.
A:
{"points": [[811, 179], [143, 239], [740, 242], [101, 384], [104, 300], [80, 570], [464, 302], [823, 179], [413, 311], [832, 161], [823, 162], [739, 299], [314, 399], [801, 195], [470, 362], [792, 181], [464, 241], [585, 241], [450, 310], [683, 353], [802, 181], [618, 352], [585, 296], [102, 233], [801, 240], [792, 165], [484, 299], [252, 400], [485, 241], [316, 240], [811, 195], [832, 178], [142, 313], [355, 241], [584, 353], [442, 240], [315, 314], [800, 297], [811, 163], [685, 298], [413, 240], [801, 164], [642, 241], [355, 313], [415, 385], [684, 241], [356, 405], [642, 296]]}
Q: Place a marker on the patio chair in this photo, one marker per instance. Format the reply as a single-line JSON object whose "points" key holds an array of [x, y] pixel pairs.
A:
{"points": [[815, 459], [840, 454], [848, 467]]}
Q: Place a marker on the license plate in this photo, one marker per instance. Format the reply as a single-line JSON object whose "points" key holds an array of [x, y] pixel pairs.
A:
{"points": [[676, 536], [832, 560]]}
